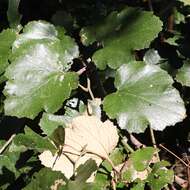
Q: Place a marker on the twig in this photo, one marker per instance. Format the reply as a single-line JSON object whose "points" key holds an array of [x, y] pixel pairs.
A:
{"points": [[174, 155], [154, 142], [7, 143]]}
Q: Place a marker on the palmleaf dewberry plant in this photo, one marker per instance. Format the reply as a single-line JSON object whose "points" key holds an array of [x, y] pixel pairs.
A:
{"points": [[90, 92]]}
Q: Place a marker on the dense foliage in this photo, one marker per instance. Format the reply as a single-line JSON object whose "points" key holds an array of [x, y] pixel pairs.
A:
{"points": [[94, 94]]}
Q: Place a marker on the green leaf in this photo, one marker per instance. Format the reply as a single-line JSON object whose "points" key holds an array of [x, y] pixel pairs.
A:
{"points": [[152, 57], [37, 76], [145, 96], [84, 171], [50, 122], [142, 157], [36, 82], [40, 32], [13, 13], [160, 176], [31, 140], [121, 33], [100, 183], [117, 157], [46, 179], [139, 186], [58, 136], [7, 162], [7, 37], [36, 31], [183, 75]]}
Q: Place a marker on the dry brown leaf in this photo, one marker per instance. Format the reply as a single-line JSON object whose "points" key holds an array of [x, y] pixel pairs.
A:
{"points": [[87, 137]]}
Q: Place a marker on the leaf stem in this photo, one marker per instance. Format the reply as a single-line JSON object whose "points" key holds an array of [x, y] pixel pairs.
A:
{"points": [[7, 143], [154, 142]]}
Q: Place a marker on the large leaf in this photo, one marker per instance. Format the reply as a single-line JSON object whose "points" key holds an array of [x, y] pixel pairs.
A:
{"points": [[183, 75], [86, 137], [145, 96], [121, 33], [36, 82], [37, 76], [7, 37]]}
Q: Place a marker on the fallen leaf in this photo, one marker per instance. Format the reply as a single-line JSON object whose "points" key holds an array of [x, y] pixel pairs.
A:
{"points": [[86, 137]]}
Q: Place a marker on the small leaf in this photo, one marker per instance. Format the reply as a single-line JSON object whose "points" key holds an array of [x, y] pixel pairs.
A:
{"points": [[84, 171], [31, 140], [145, 96], [183, 75], [141, 158], [139, 186], [58, 136], [7, 162], [121, 33], [117, 157], [50, 122], [7, 37], [151, 57], [46, 179], [160, 176]]}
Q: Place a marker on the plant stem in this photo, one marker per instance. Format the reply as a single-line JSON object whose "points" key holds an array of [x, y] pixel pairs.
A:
{"points": [[169, 151], [88, 88], [126, 145], [154, 142]]}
